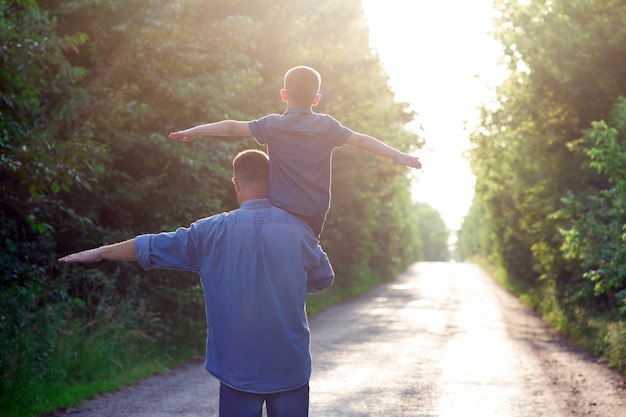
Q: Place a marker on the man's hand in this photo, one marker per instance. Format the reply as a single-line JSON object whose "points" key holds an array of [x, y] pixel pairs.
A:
{"points": [[86, 257], [408, 160], [122, 251]]}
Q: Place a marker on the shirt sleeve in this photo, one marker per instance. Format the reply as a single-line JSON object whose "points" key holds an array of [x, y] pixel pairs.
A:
{"points": [[258, 129], [321, 276], [174, 250], [340, 132]]}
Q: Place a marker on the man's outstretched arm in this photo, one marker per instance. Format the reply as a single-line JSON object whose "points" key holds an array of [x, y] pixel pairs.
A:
{"points": [[122, 251]]}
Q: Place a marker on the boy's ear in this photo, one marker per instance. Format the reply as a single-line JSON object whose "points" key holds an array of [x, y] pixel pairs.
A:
{"points": [[316, 100], [283, 94]]}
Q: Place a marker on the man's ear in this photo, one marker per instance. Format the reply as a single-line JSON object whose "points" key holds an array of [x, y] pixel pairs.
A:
{"points": [[316, 100], [283, 94], [236, 184]]}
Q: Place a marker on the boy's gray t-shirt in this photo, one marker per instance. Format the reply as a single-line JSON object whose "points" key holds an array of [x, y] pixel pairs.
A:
{"points": [[300, 145]]}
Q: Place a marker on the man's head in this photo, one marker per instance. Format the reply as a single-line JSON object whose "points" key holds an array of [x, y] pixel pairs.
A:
{"points": [[301, 87], [251, 170]]}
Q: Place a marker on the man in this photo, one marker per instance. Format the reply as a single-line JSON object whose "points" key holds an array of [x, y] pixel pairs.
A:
{"points": [[256, 265]]}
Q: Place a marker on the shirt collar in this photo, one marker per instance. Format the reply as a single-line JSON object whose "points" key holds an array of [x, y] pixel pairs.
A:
{"points": [[256, 203], [298, 109]]}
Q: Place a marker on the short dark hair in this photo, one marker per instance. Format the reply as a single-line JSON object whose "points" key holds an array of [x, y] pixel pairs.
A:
{"points": [[302, 85], [252, 166]]}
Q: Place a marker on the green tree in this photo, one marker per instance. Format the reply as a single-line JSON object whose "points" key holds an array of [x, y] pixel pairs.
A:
{"points": [[433, 233], [596, 233], [564, 64], [475, 238]]}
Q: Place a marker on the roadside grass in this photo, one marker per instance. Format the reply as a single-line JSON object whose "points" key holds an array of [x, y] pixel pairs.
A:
{"points": [[82, 360], [26, 399], [602, 334], [615, 340]]}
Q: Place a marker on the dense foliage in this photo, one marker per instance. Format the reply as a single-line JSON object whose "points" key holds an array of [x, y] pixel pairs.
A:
{"points": [[549, 159], [90, 89], [434, 234]]}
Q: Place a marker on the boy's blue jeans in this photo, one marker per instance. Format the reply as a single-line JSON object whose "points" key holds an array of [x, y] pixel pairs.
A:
{"points": [[234, 403], [316, 222]]}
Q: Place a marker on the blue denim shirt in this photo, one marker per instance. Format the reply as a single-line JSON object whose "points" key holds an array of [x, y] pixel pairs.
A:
{"points": [[300, 144], [256, 265]]}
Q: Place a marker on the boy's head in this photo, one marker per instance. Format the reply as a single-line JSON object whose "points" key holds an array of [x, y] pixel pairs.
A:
{"points": [[302, 87]]}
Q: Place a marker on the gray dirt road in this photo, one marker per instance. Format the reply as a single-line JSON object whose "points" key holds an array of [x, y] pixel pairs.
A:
{"points": [[442, 340]]}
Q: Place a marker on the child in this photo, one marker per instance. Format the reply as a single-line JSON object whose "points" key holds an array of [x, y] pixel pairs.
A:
{"points": [[300, 145]]}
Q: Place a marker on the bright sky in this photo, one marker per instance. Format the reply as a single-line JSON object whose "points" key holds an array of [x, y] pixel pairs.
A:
{"points": [[441, 59]]}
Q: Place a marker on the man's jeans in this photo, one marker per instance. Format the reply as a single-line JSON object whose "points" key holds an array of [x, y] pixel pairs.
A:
{"points": [[294, 403]]}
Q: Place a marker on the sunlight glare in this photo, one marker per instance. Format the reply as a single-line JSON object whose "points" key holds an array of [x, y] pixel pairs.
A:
{"points": [[442, 61]]}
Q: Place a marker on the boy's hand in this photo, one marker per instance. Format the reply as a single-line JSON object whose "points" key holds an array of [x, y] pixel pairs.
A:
{"points": [[187, 135], [409, 161]]}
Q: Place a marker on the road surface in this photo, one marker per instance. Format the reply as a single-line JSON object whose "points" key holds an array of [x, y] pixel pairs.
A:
{"points": [[442, 340]]}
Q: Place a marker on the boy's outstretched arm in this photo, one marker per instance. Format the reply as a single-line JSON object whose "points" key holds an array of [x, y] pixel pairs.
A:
{"points": [[373, 145], [222, 128], [123, 251]]}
